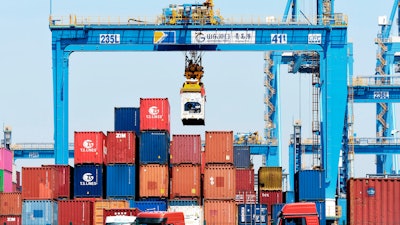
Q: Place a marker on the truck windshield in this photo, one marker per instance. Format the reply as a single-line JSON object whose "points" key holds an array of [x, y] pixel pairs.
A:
{"points": [[121, 223], [292, 221]]}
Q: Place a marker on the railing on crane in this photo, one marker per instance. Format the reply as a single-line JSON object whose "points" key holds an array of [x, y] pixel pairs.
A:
{"points": [[372, 81]]}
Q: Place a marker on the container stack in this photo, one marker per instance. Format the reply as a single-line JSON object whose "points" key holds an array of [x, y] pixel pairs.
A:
{"points": [[219, 183], [270, 186], [154, 152], [245, 193]]}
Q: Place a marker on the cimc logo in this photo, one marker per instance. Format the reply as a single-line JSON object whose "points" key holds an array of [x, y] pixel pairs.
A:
{"points": [[88, 179], [88, 146], [153, 113]]}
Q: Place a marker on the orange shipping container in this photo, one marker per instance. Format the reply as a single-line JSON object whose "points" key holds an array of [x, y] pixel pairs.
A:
{"points": [[39, 183], [10, 203], [219, 181], [185, 181], [153, 180], [217, 212], [219, 147], [99, 205]]}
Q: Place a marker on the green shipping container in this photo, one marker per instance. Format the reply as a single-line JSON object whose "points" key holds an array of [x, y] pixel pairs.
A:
{"points": [[270, 178]]}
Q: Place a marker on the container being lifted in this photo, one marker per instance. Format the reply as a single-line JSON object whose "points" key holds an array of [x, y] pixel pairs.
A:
{"points": [[193, 97]]}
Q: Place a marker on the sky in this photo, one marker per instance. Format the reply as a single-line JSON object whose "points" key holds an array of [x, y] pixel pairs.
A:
{"points": [[101, 81]]}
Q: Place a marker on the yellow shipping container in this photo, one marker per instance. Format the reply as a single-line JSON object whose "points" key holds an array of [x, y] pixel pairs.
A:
{"points": [[270, 178], [99, 205]]}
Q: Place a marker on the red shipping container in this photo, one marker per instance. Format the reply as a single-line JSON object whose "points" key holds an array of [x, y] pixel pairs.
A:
{"points": [[64, 180], [185, 181], [39, 183], [89, 147], [185, 148], [119, 212], [153, 180], [203, 161], [154, 114], [246, 197], [373, 201], [220, 212], [269, 198], [219, 181], [219, 147], [75, 212], [10, 203], [121, 147], [11, 220], [244, 179]]}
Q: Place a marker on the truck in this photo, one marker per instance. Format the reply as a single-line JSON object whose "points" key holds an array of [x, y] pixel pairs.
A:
{"points": [[298, 213], [160, 218], [120, 216]]}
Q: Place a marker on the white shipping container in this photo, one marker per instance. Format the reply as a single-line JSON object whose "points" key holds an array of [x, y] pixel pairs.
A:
{"points": [[194, 215], [192, 106]]}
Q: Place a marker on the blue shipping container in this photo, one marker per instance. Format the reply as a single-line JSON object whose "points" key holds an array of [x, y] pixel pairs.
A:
{"points": [[154, 147], [241, 156], [127, 119], [121, 181], [150, 205], [252, 214], [44, 212], [88, 181], [310, 185]]}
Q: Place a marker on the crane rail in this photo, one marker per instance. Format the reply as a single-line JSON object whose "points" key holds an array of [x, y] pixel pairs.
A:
{"points": [[37, 146]]}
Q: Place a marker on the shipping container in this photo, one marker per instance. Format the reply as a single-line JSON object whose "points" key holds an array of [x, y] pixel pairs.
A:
{"points": [[219, 147], [153, 180], [121, 181], [194, 215], [270, 198], [185, 181], [220, 212], [119, 212], [154, 114], [64, 182], [150, 205], [14, 173], [154, 147], [127, 119], [244, 179], [75, 211], [184, 202], [242, 156], [39, 183], [219, 182], [270, 178], [246, 197], [6, 181], [373, 201], [121, 147], [251, 214], [6, 159], [89, 147], [185, 148], [88, 181], [10, 203], [10, 219], [100, 205], [309, 185], [35, 212]]}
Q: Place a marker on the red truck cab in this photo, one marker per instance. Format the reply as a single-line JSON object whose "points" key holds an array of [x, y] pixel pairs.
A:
{"points": [[299, 213], [161, 218]]}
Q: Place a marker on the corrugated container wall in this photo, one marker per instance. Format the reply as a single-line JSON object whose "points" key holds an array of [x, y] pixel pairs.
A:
{"points": [[10, 203], [249, 214], [10, 220], [6, 159], [75, 212], [309, 185], [270, 178], [185, 148], [88, 181], [219, 147], [246, 197], [270, 197], [100, 205], [121, 147], [89, 147], [154, 114], [150, 205], [121, 181], [39, 183], [64, 182], [219, 181], [6, 181], [242, 156], [185, 181], [153, 181], [127, 119], [244, 179], [35, 212], [220, 212], [373, 201], [154, 147]]}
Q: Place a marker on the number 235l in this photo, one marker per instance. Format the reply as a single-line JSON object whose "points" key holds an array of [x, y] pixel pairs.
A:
{"points": [[109, 39]]}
